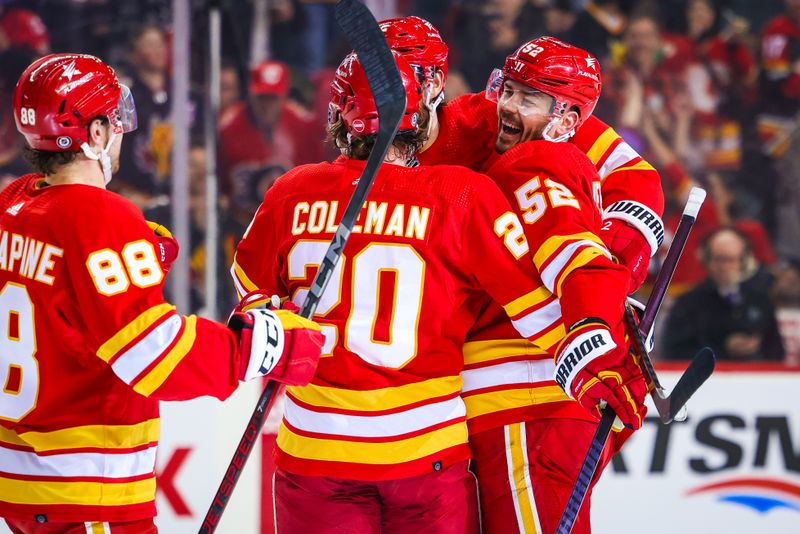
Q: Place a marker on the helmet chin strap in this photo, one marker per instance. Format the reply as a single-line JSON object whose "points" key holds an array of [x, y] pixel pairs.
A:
{"points": [[550, 125], [102, 157], [433, 103]]}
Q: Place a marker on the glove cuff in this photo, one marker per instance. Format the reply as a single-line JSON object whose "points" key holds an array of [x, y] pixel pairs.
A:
{"points": [[640, 217], [266, 343], [583, 344]]}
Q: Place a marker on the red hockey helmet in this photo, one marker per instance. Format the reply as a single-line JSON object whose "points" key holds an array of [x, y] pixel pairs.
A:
{"points": [[418, 41], [351, 97], [59, 95], [565, 72]]}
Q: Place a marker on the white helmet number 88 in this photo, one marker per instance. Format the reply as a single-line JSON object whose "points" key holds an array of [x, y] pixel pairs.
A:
{"points": [[27, 116]]}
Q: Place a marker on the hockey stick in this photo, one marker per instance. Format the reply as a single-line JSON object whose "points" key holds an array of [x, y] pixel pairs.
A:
{"points": [[361, 29], [697, 373], [703, 364]]}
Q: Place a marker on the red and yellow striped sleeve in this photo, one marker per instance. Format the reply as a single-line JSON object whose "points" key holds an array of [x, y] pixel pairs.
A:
{"points": [[624, 174], [119, 282], [555, 190]]}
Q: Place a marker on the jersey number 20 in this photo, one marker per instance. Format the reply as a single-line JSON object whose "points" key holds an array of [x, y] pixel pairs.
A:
{"points": [[409, 272]]}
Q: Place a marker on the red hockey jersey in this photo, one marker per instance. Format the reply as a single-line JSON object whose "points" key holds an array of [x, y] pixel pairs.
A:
{"points": [[556, 191], [506, 379], [89, 346], [428, 245]]}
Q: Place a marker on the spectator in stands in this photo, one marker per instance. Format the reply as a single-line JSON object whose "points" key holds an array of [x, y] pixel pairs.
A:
{"points": [[600, 22], [22, 28], [145, 157], [501, 25], [719, 44], [13, 61], [786, 298], [725, 312], [779, 122], [230, 92], [266, 130]]}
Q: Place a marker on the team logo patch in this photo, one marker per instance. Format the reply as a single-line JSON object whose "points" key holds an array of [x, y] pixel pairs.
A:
{"points": [[64, 141], [414, 119], [358, 125]]}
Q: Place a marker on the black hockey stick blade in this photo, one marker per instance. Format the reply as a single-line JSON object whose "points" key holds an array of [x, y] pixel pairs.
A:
{"points": [[361, 28], [590, 462], [690, 381], [376, 58]]}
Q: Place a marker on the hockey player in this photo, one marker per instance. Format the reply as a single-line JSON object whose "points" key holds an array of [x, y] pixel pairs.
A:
{"points": [[463, 132], [89, 346], [519, 420], [378, 440]]}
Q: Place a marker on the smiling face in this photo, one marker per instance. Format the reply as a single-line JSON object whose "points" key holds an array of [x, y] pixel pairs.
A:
{"points": [[522, 114]]}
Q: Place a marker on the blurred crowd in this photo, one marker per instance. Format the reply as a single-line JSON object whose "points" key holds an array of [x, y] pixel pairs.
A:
{"points": [[707, 91]]}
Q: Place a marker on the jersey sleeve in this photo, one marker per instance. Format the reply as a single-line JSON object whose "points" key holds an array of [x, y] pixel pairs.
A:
{"points": [[118, 282], [624, 174], [498, 256], [554, 189]]}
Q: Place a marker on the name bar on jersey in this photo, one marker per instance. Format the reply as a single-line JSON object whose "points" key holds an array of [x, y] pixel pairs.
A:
{"points": [[378, 218], [30, 258]]}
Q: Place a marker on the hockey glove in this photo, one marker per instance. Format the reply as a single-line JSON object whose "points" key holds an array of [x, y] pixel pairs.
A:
{"points": [[594, 370], [168, 248], [276, 343], [632, 232]]}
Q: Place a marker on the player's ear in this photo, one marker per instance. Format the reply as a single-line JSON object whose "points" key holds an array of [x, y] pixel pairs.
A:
{"points": [[570, 120], [98, 133]]}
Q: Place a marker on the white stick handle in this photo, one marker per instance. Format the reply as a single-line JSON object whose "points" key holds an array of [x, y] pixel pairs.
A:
{"points": [[696, 197]]}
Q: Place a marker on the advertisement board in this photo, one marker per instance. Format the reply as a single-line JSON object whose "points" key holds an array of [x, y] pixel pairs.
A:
{"points": [[733, 467]]}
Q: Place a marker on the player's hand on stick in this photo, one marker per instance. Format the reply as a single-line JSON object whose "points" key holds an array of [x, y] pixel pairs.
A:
{"points": [[595, 370], [274, 341], [168, 248]]}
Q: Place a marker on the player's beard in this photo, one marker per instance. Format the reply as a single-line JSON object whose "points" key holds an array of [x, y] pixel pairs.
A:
{"points": [[517, 130]]}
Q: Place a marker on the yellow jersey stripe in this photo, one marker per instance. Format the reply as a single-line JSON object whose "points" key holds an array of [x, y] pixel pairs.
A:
{"points": [[243, 278], [495, 349], [601, 145], [552, 244], [519, 478], [71, 493], [552, 338], [375, 399], [129, 332], [583, 257], [153, 380], [526, 301], [89, 436], [638, 166], [380, 453], [507, 399]]}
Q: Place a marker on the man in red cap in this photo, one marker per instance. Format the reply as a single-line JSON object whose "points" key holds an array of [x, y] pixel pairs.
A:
{"points": [[266, 130], [24, 28]]}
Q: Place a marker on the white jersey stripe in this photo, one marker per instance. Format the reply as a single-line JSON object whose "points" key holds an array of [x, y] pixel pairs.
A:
{"points": [[622, 154], [508, 373], [553, 270], [78, 464], [538, 320], [373, 426], [136, 359]]}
